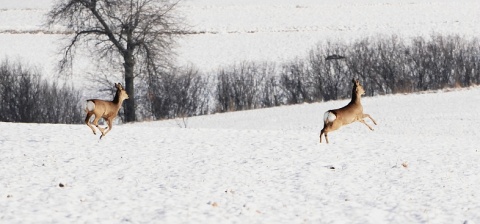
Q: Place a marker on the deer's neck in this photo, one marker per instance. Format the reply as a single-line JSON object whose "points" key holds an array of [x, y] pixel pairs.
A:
{"points": [[116, 98], [355, 97]]}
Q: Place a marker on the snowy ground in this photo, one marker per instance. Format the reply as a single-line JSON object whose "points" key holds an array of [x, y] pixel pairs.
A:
{"points": [[420, 165]]}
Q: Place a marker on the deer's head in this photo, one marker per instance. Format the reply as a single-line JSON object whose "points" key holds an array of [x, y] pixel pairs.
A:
{"points": [[357, 87], [121, 92]]}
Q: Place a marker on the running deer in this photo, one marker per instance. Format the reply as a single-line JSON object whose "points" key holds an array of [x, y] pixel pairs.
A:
{"points": [[107, 110], [353, 111]]}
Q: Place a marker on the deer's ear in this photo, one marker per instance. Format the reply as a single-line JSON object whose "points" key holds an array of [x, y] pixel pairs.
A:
{"points": [[356, 82]]}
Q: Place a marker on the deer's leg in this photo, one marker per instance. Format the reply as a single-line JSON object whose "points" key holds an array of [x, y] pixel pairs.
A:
{"points": [[95, 122], [109, 123], [363, 121], [321, 133], [326, 136], [325, 133], [87, 121], [368, 115], [101, 130], [326, 128]]}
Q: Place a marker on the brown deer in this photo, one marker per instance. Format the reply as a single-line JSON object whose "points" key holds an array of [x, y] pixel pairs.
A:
{"points": [[107, 110], [353, 111]]}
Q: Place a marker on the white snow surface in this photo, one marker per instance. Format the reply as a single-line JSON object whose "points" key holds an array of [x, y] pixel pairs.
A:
{"points": [[419, 165]]}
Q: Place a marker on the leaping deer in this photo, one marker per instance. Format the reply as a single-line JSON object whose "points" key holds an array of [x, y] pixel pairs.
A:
{"points": [[107, 110], [353, 111]]}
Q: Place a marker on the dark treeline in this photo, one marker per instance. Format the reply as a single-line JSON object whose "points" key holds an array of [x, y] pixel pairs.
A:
{"points": [[383, 65], [25, 97], [386, 65]]}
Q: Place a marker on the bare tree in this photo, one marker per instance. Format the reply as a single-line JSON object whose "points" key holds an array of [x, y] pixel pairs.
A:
{"points": [[136, 34]]}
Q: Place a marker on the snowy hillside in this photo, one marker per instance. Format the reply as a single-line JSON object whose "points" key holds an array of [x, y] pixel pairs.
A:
{"points": [[420, 165], [239, 30]]}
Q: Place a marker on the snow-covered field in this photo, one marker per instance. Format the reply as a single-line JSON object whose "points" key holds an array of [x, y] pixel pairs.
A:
{"points": [[420, 165]]}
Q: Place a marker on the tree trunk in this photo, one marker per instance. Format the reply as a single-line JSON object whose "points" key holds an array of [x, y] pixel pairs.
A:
{"points": [[129, 86]]}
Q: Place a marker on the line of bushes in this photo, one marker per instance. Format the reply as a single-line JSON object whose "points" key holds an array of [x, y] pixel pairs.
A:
{"points": [[25, 97], [384, 65]]}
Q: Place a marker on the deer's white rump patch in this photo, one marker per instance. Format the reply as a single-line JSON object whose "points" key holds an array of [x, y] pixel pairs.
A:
{"points": [[329, 117], [90, 105]]}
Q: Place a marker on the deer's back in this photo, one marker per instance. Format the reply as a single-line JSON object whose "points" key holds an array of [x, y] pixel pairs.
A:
{"points": [[348, 113], [104, 108]]}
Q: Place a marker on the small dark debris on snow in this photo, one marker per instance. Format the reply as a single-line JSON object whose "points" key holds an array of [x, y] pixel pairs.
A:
{"points": [[61, 185], [330, 167], [334, 57]]}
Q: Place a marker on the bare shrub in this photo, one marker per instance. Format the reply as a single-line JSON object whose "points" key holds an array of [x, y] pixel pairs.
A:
{"points": [[246, 86], [25, 97], [178, 93]]}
